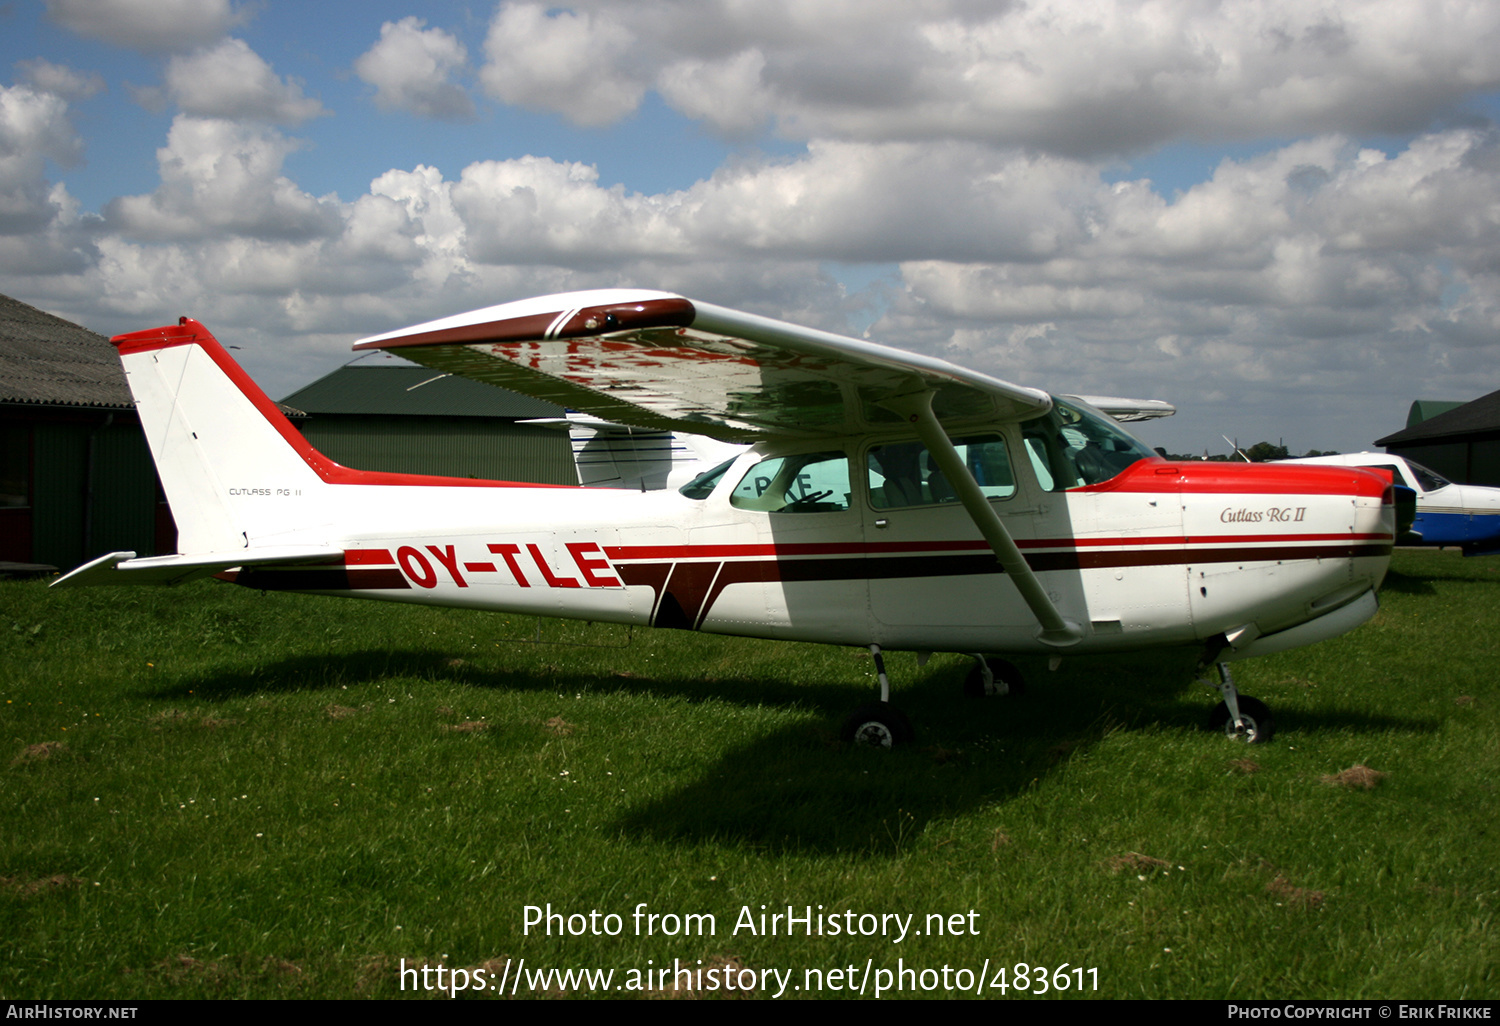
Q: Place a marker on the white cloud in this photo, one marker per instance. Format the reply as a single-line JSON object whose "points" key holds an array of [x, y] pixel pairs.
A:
{"points": [[152, 26], [727, 94], [58, 242], [536, 210], [1318, 276], [34, 126], [222, 178], [230, 80], [566, 62], [410, 68], [1106, 77], [61, 80], [859, 202]]}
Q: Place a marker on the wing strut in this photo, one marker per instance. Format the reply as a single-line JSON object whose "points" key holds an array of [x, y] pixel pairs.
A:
{"points": [[916, 407]]}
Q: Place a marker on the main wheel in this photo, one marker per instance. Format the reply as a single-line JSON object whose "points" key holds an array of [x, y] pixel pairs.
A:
{"points": [[1258, 723], [1008, 680], [879, 725]]}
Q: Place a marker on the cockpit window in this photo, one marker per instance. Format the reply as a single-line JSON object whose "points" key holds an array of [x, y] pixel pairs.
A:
{"points": [[702, 486], [1430, 480], [809, 482], [1075, 445]]}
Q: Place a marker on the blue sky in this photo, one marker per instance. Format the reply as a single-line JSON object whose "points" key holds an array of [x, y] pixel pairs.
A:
{"points": [[1281, 218]]}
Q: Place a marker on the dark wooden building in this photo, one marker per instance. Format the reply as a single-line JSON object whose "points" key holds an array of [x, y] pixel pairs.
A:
{"points": [[76, 477]]}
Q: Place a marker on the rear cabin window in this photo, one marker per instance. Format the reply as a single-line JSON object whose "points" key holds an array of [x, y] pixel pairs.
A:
{"points": [[702, 486], [905, 474], [815, 482]]}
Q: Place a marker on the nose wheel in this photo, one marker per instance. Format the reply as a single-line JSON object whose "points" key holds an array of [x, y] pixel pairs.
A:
{"points": [[1255, 726], [1240, 717]]}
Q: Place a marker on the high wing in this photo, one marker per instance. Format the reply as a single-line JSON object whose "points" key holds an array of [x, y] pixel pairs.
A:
{"points": [[656, 360]]}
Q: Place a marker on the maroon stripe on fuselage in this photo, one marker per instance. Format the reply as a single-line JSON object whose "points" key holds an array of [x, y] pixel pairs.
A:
{"points": [[877, 549], [683, 599]]}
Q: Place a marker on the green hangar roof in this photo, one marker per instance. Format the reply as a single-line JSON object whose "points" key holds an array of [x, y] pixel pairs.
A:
{"points": [[413, 391]]}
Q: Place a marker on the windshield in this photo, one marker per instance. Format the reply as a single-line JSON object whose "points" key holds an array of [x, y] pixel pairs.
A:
{"points": [[1075, 444], [1430, 480]]}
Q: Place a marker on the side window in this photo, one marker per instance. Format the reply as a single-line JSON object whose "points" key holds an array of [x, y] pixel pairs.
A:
{"points": [[815, 482], [905, 474]]}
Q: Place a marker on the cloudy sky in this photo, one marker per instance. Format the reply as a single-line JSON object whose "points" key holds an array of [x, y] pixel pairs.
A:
{"points": [[1281, 215]]}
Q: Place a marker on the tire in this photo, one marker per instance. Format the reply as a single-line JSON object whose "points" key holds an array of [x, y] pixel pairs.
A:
{"points": [[1006, 675], [1259, 726], [878, 725]]}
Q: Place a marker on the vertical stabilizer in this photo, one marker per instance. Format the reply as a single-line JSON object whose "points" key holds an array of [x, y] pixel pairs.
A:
{"points": [[235, 470]]}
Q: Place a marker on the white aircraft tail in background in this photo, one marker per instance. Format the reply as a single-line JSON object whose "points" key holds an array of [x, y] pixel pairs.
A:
{"points": [[610, 455]]}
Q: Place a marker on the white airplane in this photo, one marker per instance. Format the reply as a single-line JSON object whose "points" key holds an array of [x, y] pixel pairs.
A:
{"points": [[1447, 513], [887, 500]]}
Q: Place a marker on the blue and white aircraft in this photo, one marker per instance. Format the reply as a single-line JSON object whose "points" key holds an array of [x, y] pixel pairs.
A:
{"points": [[1447, 513]]}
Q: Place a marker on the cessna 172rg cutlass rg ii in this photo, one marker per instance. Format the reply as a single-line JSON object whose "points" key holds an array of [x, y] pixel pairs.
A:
{"points": [[887, 499]]}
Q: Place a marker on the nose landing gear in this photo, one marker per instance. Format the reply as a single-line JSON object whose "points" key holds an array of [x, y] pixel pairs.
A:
{"points": [[1241, 717]]}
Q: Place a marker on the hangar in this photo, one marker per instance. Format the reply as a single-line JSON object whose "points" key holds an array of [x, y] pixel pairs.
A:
{"points": [[1462, 444], [397, 417]]}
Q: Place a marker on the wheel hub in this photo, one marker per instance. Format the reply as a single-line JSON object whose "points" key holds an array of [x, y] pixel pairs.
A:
{"points": [[875, 734]]}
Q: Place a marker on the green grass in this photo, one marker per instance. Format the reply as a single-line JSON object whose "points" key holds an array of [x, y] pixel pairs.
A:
{"points": [[208, 792]]}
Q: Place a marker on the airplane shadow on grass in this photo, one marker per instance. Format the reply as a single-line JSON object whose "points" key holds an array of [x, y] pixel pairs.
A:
{"points": [[1408, 585], [801, 787]]}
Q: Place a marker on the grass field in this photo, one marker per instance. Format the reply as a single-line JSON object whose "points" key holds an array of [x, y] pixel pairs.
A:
{"points": [[209, 792]]}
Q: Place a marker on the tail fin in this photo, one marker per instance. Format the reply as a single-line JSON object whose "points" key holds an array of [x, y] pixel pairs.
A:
{"points": [[235, 470]]}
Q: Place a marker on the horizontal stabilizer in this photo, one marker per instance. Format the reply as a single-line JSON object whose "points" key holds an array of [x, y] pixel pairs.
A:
{"points": [[124, 568], [1128, 409]]}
